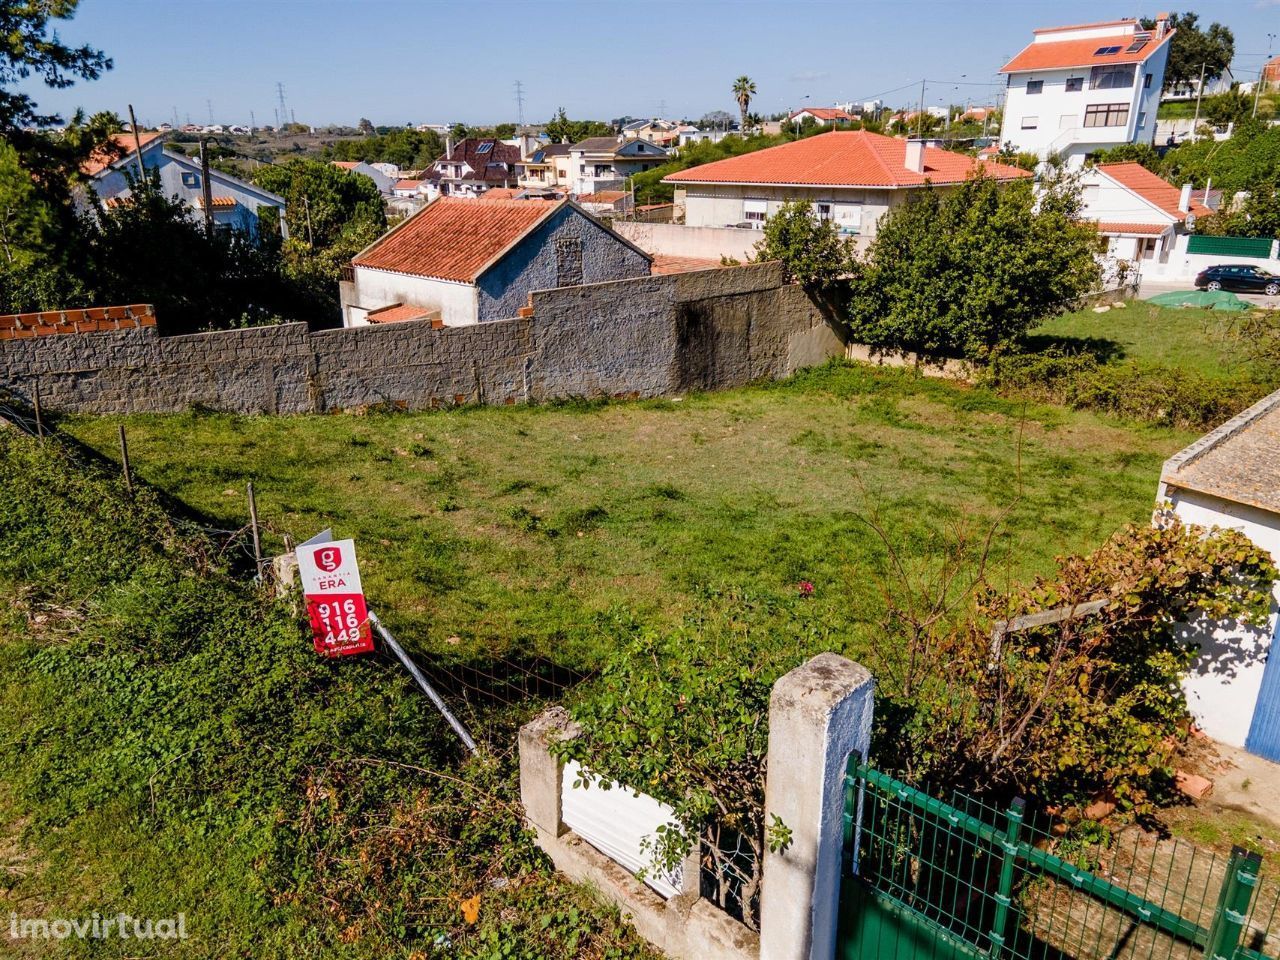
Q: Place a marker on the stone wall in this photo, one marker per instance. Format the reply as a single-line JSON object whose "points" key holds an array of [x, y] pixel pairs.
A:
{"points": [[644, 337]]}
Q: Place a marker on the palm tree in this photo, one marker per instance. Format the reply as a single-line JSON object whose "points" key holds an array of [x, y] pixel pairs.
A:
{"points": [[744, 88]]}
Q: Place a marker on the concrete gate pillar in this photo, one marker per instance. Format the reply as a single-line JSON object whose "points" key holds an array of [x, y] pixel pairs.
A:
{"points": [[819, 714]]}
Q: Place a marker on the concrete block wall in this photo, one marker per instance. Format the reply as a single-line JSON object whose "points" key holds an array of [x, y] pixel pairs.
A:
{"points": [[648, 336]]}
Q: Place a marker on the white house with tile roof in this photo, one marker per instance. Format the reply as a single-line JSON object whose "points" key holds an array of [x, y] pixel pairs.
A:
{"points": [[1140, 214], [1230, 478], [1075, 90]]}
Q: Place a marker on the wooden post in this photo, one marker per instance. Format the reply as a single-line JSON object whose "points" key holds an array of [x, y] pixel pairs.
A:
{"points": [[257, 540], [35, 403], [137, 145], [205, 188], [124, 461]]}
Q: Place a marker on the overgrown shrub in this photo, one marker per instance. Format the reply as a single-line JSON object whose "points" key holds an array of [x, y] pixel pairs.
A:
{"points": [[1153, 392]]}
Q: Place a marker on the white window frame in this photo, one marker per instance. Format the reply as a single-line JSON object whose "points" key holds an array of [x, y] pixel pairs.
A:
{"points": [[755, 210], [1030, 123]]}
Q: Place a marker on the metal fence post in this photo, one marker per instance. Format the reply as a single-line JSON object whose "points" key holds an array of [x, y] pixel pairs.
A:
{"points": [[1233, 905], [1004, 895]]}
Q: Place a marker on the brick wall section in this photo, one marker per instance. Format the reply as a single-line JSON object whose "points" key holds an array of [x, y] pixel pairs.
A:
{"points": [[21, 326], [643, 337]]}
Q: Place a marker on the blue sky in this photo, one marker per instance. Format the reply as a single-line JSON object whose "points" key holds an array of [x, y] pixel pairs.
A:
{"points": [[426, 61]]}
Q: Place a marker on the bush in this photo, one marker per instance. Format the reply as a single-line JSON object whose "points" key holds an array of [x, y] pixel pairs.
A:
{"points": [[960, 273], [1141, 391]]}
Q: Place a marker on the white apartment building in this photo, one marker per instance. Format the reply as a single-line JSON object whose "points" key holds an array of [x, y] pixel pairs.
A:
{"points": [[1076, 90]]}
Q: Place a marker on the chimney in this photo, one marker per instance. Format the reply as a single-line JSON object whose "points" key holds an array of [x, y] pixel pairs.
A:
{"points": [[1184, 201], [915, 156], [1162, 25], [448, 148]]}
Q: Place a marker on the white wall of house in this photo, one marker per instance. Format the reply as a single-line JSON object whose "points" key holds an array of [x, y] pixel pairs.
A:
{"points": [[458, 303], [1222, 688], [1182, 267], [1043, 116], [856, 211]]}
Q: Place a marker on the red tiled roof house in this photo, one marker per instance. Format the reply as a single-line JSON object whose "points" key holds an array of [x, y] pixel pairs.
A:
{"points": [[1140, 213], [461, 261], [851, 177], [1075, 90]]}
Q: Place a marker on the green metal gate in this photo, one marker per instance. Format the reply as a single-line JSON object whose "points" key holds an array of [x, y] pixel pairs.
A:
{"points": [[928, 879]]}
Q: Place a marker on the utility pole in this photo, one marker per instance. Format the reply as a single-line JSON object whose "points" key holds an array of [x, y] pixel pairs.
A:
{"points": [[1199, 96], [920, 118], [205, 188], [137, 145], [253, 122], [1258, 92], [282, 111], [519, 104], [209, 104]]}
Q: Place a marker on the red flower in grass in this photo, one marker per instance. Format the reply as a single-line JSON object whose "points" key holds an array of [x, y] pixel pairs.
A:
{"points": [[806, 588]]}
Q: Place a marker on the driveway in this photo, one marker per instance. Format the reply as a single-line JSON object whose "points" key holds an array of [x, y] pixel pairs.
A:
{"points": [[1152, 288]]}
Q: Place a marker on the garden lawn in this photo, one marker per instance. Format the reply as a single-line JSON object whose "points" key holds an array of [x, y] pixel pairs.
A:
{"points": [[556, 530], [1202, 341]]}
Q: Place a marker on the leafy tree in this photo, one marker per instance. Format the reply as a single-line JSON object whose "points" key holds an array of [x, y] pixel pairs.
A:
{"points": [[25, 219], [1231, 107], [744, 88], [649, 187], [1214, 47], [811, 251], [1257, 216], [716, 120], [365, 126], [563, 130], [1143, 153], [31, 47], [322, 201], [406, 148], [965, 271], [1249, 159]]}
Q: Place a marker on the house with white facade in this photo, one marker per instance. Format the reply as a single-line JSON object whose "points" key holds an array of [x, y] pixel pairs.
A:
{"points": [[1076, 90], [662, 132], [850, 177], [1230, 478], [545, 167], [236, 204], [463, 261], [474, 165], [604, 163], [822, 116], [1140, 214]]}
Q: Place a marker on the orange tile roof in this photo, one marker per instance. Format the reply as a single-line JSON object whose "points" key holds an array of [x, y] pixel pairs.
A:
{"points": [[823, 113], [665, 264], [1060, 54], [218, 203], [1161, 193], [499, 193], [844, 159], [400, 313], [1144, 229], [408, 184], [455, 239], [602, 196], [346, 164], [101, 159]]}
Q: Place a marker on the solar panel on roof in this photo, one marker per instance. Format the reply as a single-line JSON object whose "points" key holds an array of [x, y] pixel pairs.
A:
{"points": [[1138, 44], [1105, 51], [486, 147]]}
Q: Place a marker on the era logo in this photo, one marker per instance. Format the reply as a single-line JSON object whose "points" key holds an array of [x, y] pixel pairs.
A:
{"points": [[329, 559]]}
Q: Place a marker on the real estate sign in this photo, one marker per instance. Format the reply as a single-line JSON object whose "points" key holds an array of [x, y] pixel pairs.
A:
{"points": [[335, 598]]}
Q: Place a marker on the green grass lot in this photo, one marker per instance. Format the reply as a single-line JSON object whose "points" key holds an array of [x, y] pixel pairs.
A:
{"points": [[554, 530], [1202, 341]]}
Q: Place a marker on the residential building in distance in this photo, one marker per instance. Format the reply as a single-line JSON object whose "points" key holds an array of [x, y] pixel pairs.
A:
{"points": [[604, 163], [237, 205], [662, 132], [1140, 214], [545, 167], [823, 116], [1190, 89], [850, 177], [474, 165], [385, 183], [1076, 90], [459, 261]]}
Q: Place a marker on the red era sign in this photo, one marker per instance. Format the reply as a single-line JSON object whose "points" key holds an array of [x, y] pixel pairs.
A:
{"points": [[335, 598]]}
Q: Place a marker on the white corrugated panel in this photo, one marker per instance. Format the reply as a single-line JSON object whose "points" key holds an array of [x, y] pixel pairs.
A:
{"points": [[615, 822]]}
